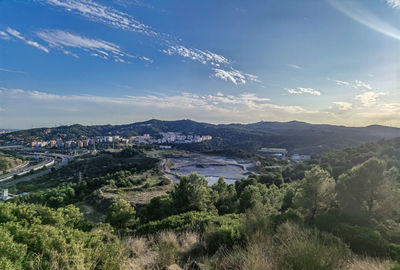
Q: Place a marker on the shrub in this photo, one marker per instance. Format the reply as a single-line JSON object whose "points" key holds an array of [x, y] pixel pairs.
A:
{"points": [[227, 236], [301, 248], [192, 221]]}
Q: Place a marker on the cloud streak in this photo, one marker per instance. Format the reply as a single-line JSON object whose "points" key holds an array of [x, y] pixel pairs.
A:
{"points": [[357, 84], [96, 47], [295, 66], [107, 15], [214, 107], [359, 14], [169, 44], [11, 71], [18, 35], [302, 90], [235, 76]]}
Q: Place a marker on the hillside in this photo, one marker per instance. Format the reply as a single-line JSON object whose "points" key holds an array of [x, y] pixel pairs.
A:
{"points": [[326, 217], [8, 162], [298, 137]]}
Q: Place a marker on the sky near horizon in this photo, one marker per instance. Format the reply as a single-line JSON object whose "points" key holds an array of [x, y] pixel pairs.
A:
{"points": [[218, 61]]}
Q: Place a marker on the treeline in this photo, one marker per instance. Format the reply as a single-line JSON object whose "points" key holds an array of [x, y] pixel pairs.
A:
{"points": [[38, 237], [323, 214], [315, 223]]}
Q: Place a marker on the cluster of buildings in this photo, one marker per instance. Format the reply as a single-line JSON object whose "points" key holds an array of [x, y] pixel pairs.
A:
{"points": [[282, 153], [59, 143], [170, 138], [163, 138]]}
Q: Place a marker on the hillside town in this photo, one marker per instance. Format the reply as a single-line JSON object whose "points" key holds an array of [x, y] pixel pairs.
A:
{"points": [[164, 139]]}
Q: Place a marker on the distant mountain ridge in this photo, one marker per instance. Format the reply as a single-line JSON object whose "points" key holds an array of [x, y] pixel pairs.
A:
{"points": [[299, 137]]}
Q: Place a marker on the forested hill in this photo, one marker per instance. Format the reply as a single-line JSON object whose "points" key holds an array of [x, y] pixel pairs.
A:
{"points": [[296, 136]]}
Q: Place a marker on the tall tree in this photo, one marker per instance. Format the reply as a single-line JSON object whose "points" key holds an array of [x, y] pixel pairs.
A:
{"points": [[367, 191], [316, 192], [192, 194]]}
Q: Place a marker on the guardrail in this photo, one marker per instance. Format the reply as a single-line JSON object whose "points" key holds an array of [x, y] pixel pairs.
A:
{"points": [[46, 163]]}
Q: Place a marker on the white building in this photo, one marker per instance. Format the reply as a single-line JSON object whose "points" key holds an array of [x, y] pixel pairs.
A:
{"points": [[4, 195]]}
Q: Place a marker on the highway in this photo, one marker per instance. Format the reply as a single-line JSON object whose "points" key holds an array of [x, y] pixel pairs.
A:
{"points": [[50, 160], [25, 170]]}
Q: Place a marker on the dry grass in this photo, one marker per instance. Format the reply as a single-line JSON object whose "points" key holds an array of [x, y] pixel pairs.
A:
{"points": [[258, 255], [141, 254], [368, 263], [164, 249], [263, 252]]}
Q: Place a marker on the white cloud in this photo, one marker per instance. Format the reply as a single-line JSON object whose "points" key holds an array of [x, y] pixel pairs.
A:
{"points": [[128, 3], [393, 3], [196, 55], [103, 14], [214, 107], [369, 98], [339, 82], [96, 47], [11, 71], [295, 66], [359, 14], [170, 45], [18, 35], [2, 110], [4, 35], [235, 76], [302, 90], [361, 85], [357, 84], [343, 106], [49, 109]]}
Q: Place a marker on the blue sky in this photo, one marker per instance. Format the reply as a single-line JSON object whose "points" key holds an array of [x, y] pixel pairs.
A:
{"points": [[120, 61]]}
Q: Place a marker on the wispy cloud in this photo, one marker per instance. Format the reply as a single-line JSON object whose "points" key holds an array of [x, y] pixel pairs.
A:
{"points": [[360, 14], [339, 82], [128, 3], [103, 14], [234, 76], [214, 107], [4, 35], [343, 106], [393, 3], [361, 85], [302, 90], [169, 45], [203, 57], [18, 35], [369, 98], [295, 66], [11, 71], [96, 47], [357, 84]]}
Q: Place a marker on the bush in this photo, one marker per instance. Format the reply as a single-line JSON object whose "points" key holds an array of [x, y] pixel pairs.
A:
{"points": [[121, 214], [361, 240], [193, 221], [225, 236], [309, 249], [38, 237]]}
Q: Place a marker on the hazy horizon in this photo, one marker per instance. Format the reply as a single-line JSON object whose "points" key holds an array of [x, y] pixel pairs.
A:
{"points": [[183, 119], [122, 61]]}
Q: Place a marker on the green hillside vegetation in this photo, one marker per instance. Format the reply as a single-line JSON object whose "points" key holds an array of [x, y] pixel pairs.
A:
{"points": [[8, 162], [338, 211], [298, 137]]}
